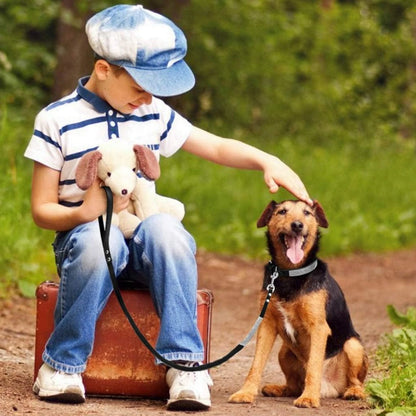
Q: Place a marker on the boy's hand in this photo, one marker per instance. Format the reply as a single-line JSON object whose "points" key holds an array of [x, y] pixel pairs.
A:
{"points": [[278, 174], [95, 201]]}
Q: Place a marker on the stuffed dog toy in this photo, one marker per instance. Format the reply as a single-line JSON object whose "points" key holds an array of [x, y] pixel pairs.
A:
{"points": [[119, 164]]}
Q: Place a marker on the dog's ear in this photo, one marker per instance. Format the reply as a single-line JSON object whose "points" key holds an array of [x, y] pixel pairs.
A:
{"points": [[87, 168], [320, 214], [147, 162], [267, 214]]}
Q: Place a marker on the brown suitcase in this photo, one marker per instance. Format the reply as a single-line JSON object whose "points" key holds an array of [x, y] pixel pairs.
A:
{"points": [[120, 365]]}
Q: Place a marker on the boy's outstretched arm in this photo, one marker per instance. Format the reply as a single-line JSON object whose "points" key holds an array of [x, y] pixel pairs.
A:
{"points": [[236, 154]]}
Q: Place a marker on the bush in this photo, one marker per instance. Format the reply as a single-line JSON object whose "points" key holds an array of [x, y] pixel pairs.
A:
{"points": [[27, 58], [298, 70], [394, 392]]}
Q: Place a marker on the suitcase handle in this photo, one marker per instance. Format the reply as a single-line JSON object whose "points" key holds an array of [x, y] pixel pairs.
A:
{"points": [[105, 233]]}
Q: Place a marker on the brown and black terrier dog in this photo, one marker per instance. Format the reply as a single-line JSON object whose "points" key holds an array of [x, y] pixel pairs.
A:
{"points": [[321, 354]]}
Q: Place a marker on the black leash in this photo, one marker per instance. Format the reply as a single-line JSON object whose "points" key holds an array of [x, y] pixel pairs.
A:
{"points": [[105, 233]]}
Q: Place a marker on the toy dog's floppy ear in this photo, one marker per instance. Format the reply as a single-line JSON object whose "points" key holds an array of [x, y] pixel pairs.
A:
{"points": [[267, 214], [320, 214], [147, 162], [87, 169]]}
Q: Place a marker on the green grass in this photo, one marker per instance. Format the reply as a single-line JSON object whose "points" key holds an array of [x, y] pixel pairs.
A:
{"points": [[367, 193], [393, 392], [25, 256], [368, 196]]}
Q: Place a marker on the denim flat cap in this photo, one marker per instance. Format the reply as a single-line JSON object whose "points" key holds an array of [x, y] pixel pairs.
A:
{"points": [[150, 47]]}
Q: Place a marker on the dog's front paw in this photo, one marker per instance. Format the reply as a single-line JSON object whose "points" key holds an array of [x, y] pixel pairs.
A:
{"points": [[307, 402], [354, 393], [242, 396], [276, 390]]}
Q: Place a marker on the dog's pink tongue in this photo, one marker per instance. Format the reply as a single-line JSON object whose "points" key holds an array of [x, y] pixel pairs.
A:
{"points": [[295, 252]]}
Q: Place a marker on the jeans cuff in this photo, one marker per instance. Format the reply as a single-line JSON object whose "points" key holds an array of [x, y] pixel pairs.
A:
{"points": [[182, 356], [69, 369]]}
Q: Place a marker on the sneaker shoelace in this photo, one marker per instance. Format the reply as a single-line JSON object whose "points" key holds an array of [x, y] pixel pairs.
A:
{"points": [[187, 377]]}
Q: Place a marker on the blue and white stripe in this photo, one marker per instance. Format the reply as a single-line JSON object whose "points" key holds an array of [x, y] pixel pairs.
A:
{"points": [[67, 129]]}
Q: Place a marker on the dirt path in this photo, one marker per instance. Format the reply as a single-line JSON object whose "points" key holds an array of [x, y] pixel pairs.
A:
{"points": [[370, 282]]}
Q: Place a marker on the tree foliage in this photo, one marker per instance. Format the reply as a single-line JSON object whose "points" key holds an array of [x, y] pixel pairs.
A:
{"points": [[295, 69], [26, 50], [272, 69]]}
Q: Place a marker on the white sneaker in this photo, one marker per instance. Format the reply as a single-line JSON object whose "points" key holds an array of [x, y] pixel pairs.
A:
{"points": [[58, 386], [188, 390]]}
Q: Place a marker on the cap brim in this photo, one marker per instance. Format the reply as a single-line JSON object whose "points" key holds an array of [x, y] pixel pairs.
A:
{"points": [[166, 82]]}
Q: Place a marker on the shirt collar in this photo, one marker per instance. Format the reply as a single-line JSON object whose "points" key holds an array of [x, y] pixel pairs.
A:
{"points": [[98, 103]]}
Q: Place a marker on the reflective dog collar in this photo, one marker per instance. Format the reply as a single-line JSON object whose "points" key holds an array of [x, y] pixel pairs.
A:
{"points": [[295, 272], [275, 272]]}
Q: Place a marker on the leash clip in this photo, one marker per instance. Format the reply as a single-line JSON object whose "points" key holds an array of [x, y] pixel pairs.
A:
{"points": [[270, 287]]}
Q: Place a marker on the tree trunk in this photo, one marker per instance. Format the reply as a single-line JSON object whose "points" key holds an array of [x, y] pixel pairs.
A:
{"points": [[327, 4], [74, 55]]}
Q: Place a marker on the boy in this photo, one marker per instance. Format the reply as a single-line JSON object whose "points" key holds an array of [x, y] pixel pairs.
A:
{"points": [[139, 55]]}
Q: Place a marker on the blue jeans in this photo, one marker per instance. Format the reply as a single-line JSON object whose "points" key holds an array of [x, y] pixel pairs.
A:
{"points": [[160, 256]]}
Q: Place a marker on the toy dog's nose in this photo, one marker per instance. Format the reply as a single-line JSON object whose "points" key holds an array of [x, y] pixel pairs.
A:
{"points": [[124, 192], [296, 226]]}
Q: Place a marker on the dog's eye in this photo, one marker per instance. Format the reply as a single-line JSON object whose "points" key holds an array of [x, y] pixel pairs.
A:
{"points": [[306, 213], [108, 174], [134, 170], [282, 211]]}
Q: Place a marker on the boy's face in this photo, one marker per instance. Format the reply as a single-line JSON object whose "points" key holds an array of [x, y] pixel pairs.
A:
{"points": [[119, 89]]}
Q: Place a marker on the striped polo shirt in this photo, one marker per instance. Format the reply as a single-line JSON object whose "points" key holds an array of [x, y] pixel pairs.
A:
{"points": [[81, 121]]}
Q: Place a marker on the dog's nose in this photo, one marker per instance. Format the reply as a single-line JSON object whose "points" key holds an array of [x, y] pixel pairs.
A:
{"points": [[296, 226]]}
